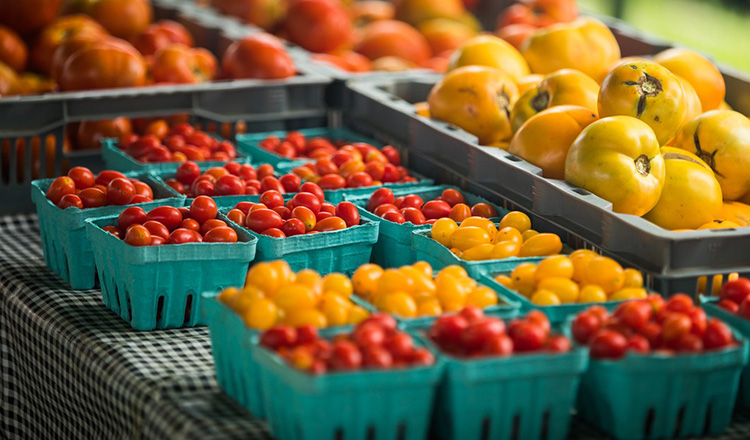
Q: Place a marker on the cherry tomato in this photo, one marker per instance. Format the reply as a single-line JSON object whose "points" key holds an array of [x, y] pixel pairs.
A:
{"points": [[688, 342], [203, 208], [157, 240], [652, 331], [322, 215], [584, 326], [290, 182], [634, 314], [156, 229], [736, 290], [391, 154], [142, 189], [483, 210], [60, 187], [359, 179], [327, 207], [182, 235], [386, 207], [413, 215], [608, 344], [732, 307], [279, 336], [139, 199], [410, 201], [265, 170], [263, 219], [472, 314], [452, 197], [229, 185], [210, 224], [272, 199], [435, 209], [292, 227], [284, 212], [306, 216], [331, 182], [717, 335], [375, 357], [190, 224], [679, 303], [237, 216], [481, 332], [106, 176], [271, 183], [400, 345], [131, 216], [421, 356], [638, 344], [176, 185], [390, 174], [70, 200], [348, 212], [93, 197], [114, 230], [137, 235], [247, 172], [82, 177], [460, 212], [345, 356], [527, 336], [368, 335], [220, 234], [698, 320], [120, 191], [539, 318], [274, 232], [395, 217], [558, 344], [244, 206], [187, 172], [307, 200], [168, 216], [330, 224], [380, 196], [313, 188]]}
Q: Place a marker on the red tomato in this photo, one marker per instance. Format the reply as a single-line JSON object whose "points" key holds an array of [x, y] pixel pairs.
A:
{"points": [[399, 202], [698, 319], [390, 174], [345, 356], [472, 313], [203, 208], [60, 187], [220, 234], [313, 188], [284, 212], [395, 217], [263, 219], [319, 25], [375, 357], [120, 191], [452, 197], [157, 241], [322, 215], [481, 332], [70, 200], [244, 206], [274, 232], [527, 336], [290, 182], [679, 303], [131, 216], [142, 146], [191, 224], [501, 345], [348, 212], [325, 166], [384, 320], [159, 154], [82, 176], [608, 344], [166, 215], [307, 200], [634, 314], [735, 290], [181, 235], [688, 342], [306, 216], [584, 326], [341, 157], [359, 179], [142, 189], [138, 235], [261, 56], [293, 227], [386, 207], [106, 176], [236, 216], [675, 325], [412, 201], [265, 170], [210, 224], [483, 210], [638, 344], [233, 168], [308, 334], [156, 229], [139, 199], [421, 356], [331, 182], [93, 197], [330, 224], [252, 190], [539, 318], [400, 345], [229, 185], [436, 209], [368, 335], [176, 185], [327, 207], [269, 183], [413, 215], [732, 307], [375, 170], [272, 199], [558, 344], [285, 149], [114, 230], [279, 336], [652, 332], [717, 335], [247, 172], [391, 154]]}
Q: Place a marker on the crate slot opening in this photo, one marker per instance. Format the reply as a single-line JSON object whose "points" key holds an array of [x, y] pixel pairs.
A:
{"points": [[485, 428], [680, 419], [649, 426], [516, 429], [545, 425], [707, 423], [160, 309], [188, 310]]}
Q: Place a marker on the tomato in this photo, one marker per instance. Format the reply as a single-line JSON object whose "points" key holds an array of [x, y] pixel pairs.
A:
{"points": [[156, 229], [717, 335], [327, 207], [123, 18], [203, 208], [638, 344], [345, 356], [501, 345], [393, 40], [318, 25], [120, 191], [220, 234], [161, 34], [699, 72], [168, 216], [211, 224], [608, 344], [348, 212], [481, 332], [330, 224], [527, 336], [452, 197], [181, 235], [732, 307], [93, 197], [584, 326], [236, 216], [270, 183], [284, 212], [558, 344], [358, 180], [69, 200], [379, 197], [377, 358], [191, 224], [82, 177], [177, 63], [107, 64], [634, 314], [400, 344], [292, 227], [260, 56], [736, 290], [369, 335], [688, 342], [279, 336], [394, 216], [435, 209], [332, 182], [60, 187], [382, 209], [447, 330], [229, 185], [306, 216], [137, 235], [680, 303], [675, 325], [413, 215], [263, 219], [114, 230], [391, 154], [290, 182], [104, 177]]}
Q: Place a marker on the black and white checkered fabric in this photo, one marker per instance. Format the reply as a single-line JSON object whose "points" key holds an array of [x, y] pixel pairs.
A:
{"points": [[71, 369]]}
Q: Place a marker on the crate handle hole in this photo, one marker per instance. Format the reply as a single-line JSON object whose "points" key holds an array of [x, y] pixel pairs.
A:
{"points": [[707, 424], [188, 310], [515, 431], [485, 428], [581, 191], [545, 425], [649, 423], [159, 309], [514, 158], [680, 418]]}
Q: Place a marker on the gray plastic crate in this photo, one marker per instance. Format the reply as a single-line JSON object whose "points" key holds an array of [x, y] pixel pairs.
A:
{"points": [[28, 121]]}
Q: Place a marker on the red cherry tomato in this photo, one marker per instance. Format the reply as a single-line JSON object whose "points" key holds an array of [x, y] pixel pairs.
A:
{"points": [[247, 172], [634, 314], [203, 208], [307, 200], [271, 183], [137, 235], [120, 191], [220, 234], [472, 314], [114, 230], [413, 215], [558, 344], [70, 200], [395, 217], [322, 215], [375, 357], [142, 189], [688, 342], [60, 187], [327, 207], [584, 326], [168, 216], [274, 232], [181, 235], [290, 182], [236, 216], [229, 185], [452, 197], [293, 227], [501, 345], [345, 356], [82, 177], [698, 320], [203, 188], [436, 209], [380, 196], [156, 229], [638, 344], [348, 212], [210, 224], [325, 166], [92, 198], [743, 310], [483, 210], [306, 216], [106, 176], [331, 182], [131, 216], [391, 154], [330, 224], [264, 170], [284, 212], [263, 219], [481, 332], [278, 336], [539, 318], [313, 188], [732, 307], [368, 335], [359, 179], [675, 325], [412, 201], [187, 172], [142, 146], [421, 356], [735, 290], [272, 199], [157, 241], [176, 185], [608, 344], [679, 303], [400, 344], [244, 206], [386, 207], [390, 174], [717, 335], [527, 336], [190, 224]]}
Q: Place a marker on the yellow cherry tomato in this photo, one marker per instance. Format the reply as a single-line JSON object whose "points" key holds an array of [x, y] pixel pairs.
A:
{"points": [[468, 237], [545, 298], [335, 308], [244, 299], [265, 277], [394, 280], [457, 252], [228, 295], [541, 245], [508, 233], [365, 279], [516, 219], [478, 253], [339, 283], [419, 281], [720, 224], [443, 229], [261, 314], [591, 294], [450, 290], [286, 275], [523, 278], [506, 249], [481, 296], [311, 279], [423, 267], [554, 266], [300, 317], [505, 281], [580, 258], [454, 271], [357, 314], [296, 296], [480, 222], [400, 304], [528, 234], [565, 289], [429, 308], [618, 159], [605, 273], [629, 293], [633, 278]]}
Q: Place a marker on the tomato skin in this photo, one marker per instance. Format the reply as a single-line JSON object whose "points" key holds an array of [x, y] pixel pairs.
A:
{"points": [[348, 212], [394, 216], [106, 176], [260, 56], [180, 236], [332, 182], [70, 200], [318, 25], [292, 227], [120, 191], [131, 216], [290, 182], [369, 335], [236, 216], [203, 208], [608, 344], [381, 210], [283, 211], [585, 326], [263, 219], [736, 290], [137, 235], [717, 335], [435, 209], [93, 197], [638, 344], [156, 229], [307, 200], [414, 216], [675, 325], [274, 232], [379, 197], [688, 342], [306, 216], [634, 314], [142, 189], [114, 230], [452, 197], [527, 336], [330, 224], [483, 210], [732, 307], [680, 303], [211, 224], [558, 344], [190, 224], [400, 345], [481, 332], [107, 64], [327, 207], [270, 183], [60, 187], [229, 185], [168, 216], [411, 201], [82, 177], [220, 234], [272, 199]]}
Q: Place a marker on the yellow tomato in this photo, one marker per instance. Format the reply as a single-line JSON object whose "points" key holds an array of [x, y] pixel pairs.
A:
{"points": [[545, 138], [490, 51], [517, 220], [419, 281], [442, 230], [468, 237], [633, 278], [523, 278], [720, 224], [480, 222], [736, 212], [529, 81], [563, 87], [528, 234], [508, 234], [424, 267], [698, 71], [300, 317], [629, 293], [481, 296], [228, 295], [365, 279], [311, 279], [565, 289], [394, 280], [555, 266], [646, 91], [455, 271], [585, 44], [400, 304], [260, 314], [265, 277], [477, 99], [478, 253], [450, 291], [505, 249], [541, 245], [286, 275], [505, 280], [545, 298], [422, 109], [693, 107], [357, 314], [580, 258], [592, 294], [605, 273], [335, 308], [339, 283], [429, 308], [618, 159], [691, 195], [721, 138], [295, 296]]}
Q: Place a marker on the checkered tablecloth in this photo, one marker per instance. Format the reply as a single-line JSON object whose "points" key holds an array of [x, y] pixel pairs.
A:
{"points": [[72, 369]]}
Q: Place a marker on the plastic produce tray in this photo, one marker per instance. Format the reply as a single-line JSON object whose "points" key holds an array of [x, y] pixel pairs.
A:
{"points": [[67, 252], [158, 287], [524, 396], [388, 404], [28, 121], [333, 251]]}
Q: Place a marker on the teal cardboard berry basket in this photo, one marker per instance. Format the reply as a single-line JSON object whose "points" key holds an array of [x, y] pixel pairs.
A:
{"points": [[67, 252], [158, 287], [657, 395], [387, 404], [394, 247], [523, 396], [325, 252]]}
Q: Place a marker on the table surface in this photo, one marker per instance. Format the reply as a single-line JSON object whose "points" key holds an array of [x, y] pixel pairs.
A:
{"points": [[73, 369]]}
